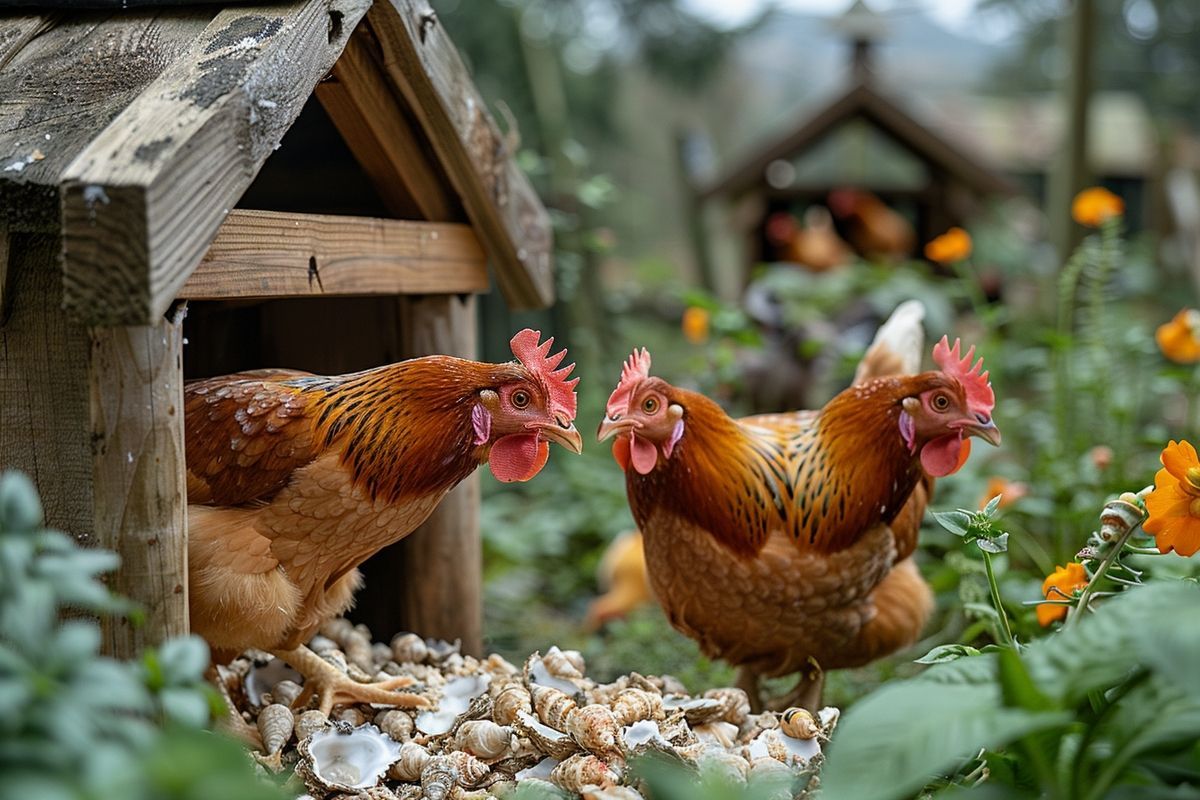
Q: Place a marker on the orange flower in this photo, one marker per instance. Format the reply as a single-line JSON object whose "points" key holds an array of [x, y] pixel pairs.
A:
{"points": [[953, 245], [1092, 207], [1009, 491], [1179, 339], [1174, 505], [695, 325], [1060, 585]]}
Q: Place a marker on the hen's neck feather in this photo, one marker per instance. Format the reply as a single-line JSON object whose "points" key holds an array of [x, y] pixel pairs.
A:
{"points": [[822, 478], [404, 430]]}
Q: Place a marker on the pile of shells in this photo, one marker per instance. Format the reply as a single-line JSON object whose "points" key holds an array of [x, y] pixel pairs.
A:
{"points": [[492, 727]]}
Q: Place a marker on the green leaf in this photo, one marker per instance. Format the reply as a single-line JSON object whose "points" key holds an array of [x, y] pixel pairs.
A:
{"points": [[994, 545], [183, 659], [947, 652], [910, 732], [990, 509], [957, 522], [20, 508], [1016, 686]]}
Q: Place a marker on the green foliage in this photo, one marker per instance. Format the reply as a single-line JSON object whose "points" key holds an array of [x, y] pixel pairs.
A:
{"points": [[74, 724], [1105, 703]]}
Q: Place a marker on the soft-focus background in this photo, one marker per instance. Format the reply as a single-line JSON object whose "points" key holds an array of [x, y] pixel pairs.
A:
{"points": [[747, 188]]}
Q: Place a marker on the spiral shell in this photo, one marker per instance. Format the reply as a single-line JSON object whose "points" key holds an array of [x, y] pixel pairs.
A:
{"points": [[583, 769], [395, 723], [350, 714], [408, 648], [799, 724], [595, 728], [309, 722], [633, 705], [484, 738], [470, 770], [439, 778], [552, 706], [511, 700], [410, 764], [275, 723], [737, 704], [286, 692], [564, 663]]}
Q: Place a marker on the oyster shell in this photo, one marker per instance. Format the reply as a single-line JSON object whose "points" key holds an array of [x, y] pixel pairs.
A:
{"points": [[457, 695], [545, 739], [737, 704], [263, 676], [698, 710], [345, 759], [537, 674]]}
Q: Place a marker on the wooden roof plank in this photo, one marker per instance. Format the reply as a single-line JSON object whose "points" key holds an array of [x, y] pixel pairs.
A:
{"points": [[369, 116], [143, 201], [261, 254], [424, 65], [63, 78]]}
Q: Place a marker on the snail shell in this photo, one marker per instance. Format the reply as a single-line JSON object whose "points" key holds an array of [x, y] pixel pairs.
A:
{"points": [[799, 724], [595, 728], [275, 723], [411, 763], [552, 706], [309, 722], [395, 723], [583, 769], [484, 738], [634, 705], [510, 701], [737, 704], [439, 778], [352, 715], [564, 663], [470, 770], [408, 648], [286, 692]]}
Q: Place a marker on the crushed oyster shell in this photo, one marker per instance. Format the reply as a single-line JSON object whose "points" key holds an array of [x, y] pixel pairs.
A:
{"points": [[496, 727]]}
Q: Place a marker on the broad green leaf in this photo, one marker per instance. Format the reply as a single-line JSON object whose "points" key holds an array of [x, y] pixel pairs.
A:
{"points": [[183, 659], [947, 652], [908, 733], [1016, 687], [994, 545], [993, 504], [957, 522]]}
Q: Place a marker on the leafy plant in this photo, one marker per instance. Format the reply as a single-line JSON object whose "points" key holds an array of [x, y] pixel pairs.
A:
{"points": [[75, 724]]}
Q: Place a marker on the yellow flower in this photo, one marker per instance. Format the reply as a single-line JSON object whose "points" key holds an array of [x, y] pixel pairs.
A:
{"points": [[1179, 339], [1009, 491], [1174, 505], [953, 245], [695, 325], [1060, 585], [1093, 206]]}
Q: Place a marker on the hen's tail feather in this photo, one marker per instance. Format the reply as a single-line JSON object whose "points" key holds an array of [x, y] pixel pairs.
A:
{"points": [[898, 345]]}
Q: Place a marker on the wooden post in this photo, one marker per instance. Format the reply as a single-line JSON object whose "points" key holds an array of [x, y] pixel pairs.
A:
{"points": [[95, 418], [136, 382], [431, 581], [1070, 174]]}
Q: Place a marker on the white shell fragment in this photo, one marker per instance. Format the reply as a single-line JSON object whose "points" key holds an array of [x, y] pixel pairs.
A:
{"points": [[262, 679], [457, 695]]}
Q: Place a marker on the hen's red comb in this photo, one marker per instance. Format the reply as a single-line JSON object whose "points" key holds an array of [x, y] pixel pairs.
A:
{"points": [[535, 358], [980, 397], [635, 369]]}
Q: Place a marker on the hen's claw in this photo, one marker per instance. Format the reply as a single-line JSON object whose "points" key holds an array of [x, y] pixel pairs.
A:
{"points": [[331, 687]]}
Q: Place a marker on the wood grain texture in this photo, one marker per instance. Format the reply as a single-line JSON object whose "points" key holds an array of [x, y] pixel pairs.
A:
{"points": [[136, 381], [422, 62], [261, 254], [143, 201], [431, 581], [63, 78], [43, 388], [383, 136]]}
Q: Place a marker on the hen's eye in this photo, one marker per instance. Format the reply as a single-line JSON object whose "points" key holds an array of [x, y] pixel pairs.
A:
{"points": [[520, 398], [650, 405], [941, 402]]}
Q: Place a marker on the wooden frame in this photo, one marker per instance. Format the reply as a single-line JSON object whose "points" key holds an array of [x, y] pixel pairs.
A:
{"points": [[264, 254]]}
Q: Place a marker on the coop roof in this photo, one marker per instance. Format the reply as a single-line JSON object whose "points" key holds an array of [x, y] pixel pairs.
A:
{"points": [[132, 135], [862, 101]]}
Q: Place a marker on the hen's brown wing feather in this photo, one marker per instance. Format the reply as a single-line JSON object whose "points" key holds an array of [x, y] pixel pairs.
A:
{"points": [[245, 436]]}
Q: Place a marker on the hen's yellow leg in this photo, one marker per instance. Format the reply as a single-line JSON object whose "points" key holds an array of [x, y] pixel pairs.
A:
{"points": [[332, 687]]}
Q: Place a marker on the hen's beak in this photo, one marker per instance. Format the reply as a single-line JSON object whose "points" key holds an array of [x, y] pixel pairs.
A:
{"points": [[565, 434], [612, 427], [984, 430]]}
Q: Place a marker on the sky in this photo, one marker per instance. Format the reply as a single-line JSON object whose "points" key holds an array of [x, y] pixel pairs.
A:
{"points": [[953, 14]]}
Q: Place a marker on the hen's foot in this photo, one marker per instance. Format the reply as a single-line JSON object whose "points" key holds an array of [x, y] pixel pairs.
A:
{"points": [[807, 691], [331, 687], [747, 681]]}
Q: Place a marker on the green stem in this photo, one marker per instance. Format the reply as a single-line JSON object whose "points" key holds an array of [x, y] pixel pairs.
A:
{"points": [[1005, 630], [1093, 727], [1110, 558], [974, 292]]}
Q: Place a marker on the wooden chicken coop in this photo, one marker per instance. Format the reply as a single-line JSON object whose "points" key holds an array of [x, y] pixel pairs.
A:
{"points": [[322, 184], [863, 138]]}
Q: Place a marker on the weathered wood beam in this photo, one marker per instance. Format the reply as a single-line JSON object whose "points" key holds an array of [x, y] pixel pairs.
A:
{"points": [[369, 116], [422, 62], [143, 201], [262, 254], [136, 380]]}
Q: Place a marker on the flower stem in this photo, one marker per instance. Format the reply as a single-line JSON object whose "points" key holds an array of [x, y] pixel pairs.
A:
{"points": [[1101, 571], [1005, 630]]}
